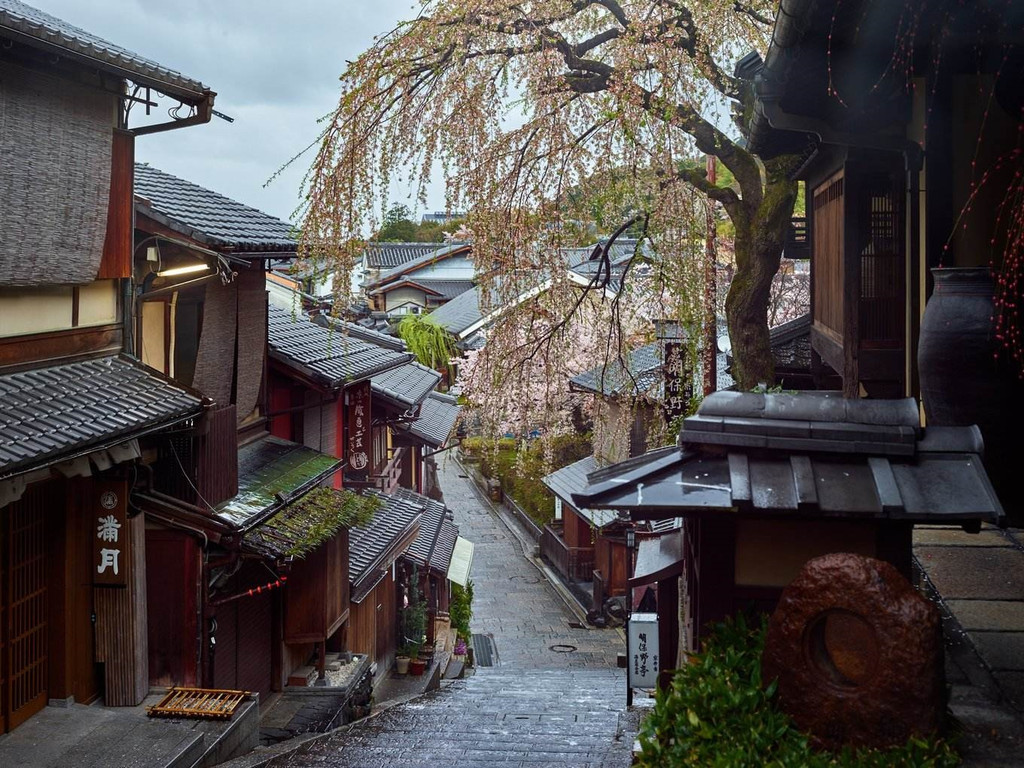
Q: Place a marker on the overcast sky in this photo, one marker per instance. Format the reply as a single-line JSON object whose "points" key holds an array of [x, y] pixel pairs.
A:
{"points": [[274, 65]]}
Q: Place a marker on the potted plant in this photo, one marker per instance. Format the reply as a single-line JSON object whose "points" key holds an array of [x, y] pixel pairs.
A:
{"points": [[416, 664], [460, 648], [402, 660], [414, 624]]}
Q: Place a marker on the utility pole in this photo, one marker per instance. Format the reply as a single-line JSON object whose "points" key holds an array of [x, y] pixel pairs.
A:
{"points": [[710, 350]]}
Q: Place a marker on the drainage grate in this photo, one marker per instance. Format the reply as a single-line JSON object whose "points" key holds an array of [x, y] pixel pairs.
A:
{"points": [[484, 651]]}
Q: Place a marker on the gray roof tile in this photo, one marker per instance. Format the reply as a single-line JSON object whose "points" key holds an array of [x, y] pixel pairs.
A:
{"points": [[435, 514], [330, 356], [644, 376], [390, 255], [366, 334], [370, 542], [573, 479], [45, 31], [47, 413], [208, 216], [445, 289], [894, 475], [407, 385], [437, 418], [439, 252], [460, 313]]}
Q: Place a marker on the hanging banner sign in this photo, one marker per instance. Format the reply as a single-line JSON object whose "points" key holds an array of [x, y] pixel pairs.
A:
{"points": [[111, 551], [642, 649], [678, 382], [358, 454]]}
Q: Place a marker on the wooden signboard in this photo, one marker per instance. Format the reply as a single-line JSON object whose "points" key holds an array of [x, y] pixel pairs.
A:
{"points": [[358, 448], [642, 649], [111, 553], [678, 382]]}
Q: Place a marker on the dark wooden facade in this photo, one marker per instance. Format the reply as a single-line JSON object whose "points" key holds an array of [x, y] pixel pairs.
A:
{"points": [[855, 207], [317, 599], [373, 625]]}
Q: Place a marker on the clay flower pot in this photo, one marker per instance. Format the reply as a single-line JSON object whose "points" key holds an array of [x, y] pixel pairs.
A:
{"points": [[417, 666]]}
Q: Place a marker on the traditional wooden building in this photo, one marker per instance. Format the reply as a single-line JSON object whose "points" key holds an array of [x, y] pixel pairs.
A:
{"points": [[766, 482], [431, 553], [81, 419], [431, 278], [376, 582], [908, 168], [240, 516]]}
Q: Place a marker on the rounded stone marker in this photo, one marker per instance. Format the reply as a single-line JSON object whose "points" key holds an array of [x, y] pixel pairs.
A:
{"points": [[857, 653]]}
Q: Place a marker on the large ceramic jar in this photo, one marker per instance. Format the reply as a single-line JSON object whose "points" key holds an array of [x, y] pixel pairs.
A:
{"points": [[963, 378]]}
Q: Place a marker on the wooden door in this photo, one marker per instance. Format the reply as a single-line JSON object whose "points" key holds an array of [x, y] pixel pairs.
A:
{"points": [[24, 609]]}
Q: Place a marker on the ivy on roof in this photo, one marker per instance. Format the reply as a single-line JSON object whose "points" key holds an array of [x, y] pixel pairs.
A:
{"points": [[301, 527]]}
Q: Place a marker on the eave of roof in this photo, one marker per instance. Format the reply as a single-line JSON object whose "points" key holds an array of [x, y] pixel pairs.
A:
{"points": [[329, 357], [803, 456], [210, 218], [48, 33], [273, 473], [55, 413]]}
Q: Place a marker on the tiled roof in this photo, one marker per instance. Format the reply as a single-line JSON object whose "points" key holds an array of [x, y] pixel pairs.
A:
{"points": [[45, 31], [440, 251], [330, 357], [791, 344], [460, 313], [810, 454], [208, 216], [441, 289], [437, 418], [271, 473], [573, 479], [374, 545], [441, 557], [359, 332], [406, 385], [644, 376], [302, 527], [55, 412], [390, 255], [434, 515], [641, 373]]}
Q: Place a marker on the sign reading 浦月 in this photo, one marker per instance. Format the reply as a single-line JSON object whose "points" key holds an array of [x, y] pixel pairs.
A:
{"points": [[108, 513]]}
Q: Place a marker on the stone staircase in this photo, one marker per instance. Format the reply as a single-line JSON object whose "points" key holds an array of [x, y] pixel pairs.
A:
{"points": [[550, 717]]}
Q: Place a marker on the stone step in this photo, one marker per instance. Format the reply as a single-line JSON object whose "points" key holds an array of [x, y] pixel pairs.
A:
{"points": [[132, 741]]}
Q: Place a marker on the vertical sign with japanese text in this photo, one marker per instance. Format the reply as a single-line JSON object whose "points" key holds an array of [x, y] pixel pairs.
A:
{"points": [[108, 513], [678, 382], [643, 650], [358, 455]]}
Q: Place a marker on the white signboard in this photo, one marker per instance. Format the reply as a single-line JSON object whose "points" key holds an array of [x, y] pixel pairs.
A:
{"points": [[642, 647]]}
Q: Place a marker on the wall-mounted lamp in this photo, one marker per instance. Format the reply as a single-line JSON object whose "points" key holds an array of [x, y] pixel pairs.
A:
{"points": [[186, 270]]}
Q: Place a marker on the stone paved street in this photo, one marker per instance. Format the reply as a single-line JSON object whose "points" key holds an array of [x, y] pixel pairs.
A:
{"points": [[536, 707]]}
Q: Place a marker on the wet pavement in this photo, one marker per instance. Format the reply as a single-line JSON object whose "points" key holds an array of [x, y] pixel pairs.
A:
{"points": [[554, 697]]}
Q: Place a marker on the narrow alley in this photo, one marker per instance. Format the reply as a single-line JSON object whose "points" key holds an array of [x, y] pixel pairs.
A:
{"points": [[553, 697]]}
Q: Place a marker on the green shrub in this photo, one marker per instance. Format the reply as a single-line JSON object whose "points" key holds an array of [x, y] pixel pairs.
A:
{"points": [[460, 609], [716, 713], [521, 466]]}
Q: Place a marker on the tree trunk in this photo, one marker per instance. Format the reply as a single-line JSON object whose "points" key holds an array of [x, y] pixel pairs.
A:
{"points": [[760, 237]]}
